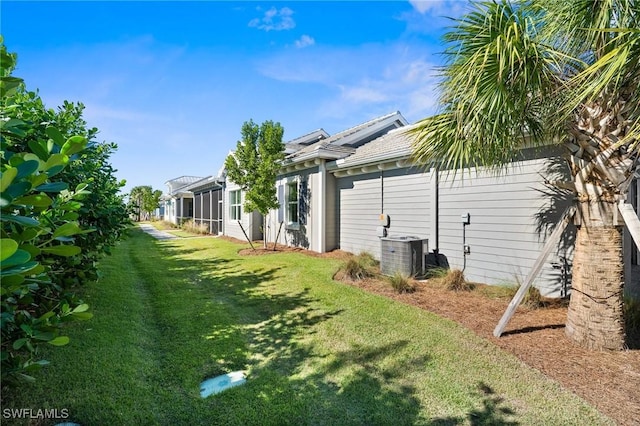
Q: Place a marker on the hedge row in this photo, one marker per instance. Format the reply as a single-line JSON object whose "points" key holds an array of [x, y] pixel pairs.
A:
{"points": [[61, 210]]}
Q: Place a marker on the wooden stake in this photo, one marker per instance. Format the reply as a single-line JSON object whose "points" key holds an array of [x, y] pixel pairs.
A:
{"points": [[552, 241], [631, 220], [277, 236], [246, 236]]}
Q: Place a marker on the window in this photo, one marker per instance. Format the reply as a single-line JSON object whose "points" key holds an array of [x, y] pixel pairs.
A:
{"points": [[235, 205], [292, 204]]}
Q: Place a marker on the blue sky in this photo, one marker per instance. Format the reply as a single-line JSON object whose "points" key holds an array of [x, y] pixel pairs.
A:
{"points": [[172, 82]]}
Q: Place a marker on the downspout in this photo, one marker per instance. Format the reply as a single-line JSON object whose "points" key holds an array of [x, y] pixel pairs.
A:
{"points": [[381, 191], [322, 213], [435, 211], [211, 211]]}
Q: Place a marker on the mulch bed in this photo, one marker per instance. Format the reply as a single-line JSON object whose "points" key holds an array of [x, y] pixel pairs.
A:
{"points": [[610, 381]]}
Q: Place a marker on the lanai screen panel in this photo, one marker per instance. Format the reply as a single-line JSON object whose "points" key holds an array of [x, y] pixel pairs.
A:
{"points": [[197, 203], [206, 205]]}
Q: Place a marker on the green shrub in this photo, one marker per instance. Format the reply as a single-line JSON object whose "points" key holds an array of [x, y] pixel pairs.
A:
{"points": [[60, 211], [402, 283]]}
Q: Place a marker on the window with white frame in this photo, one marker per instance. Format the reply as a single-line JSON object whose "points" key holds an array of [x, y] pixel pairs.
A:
{"points": [[292, 201], [235, 205]]}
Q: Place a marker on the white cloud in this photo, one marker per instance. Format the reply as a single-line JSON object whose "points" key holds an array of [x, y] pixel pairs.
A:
{"points": [[274, 20], [305, 41], [439, 7], [364, 93], [362, 81]]}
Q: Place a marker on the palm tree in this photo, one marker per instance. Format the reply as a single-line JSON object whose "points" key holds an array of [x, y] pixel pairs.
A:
{"points": [[531, 73]]}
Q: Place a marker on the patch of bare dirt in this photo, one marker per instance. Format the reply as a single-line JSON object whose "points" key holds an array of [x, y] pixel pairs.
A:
{"points": [[259, 250], [610, 381]]}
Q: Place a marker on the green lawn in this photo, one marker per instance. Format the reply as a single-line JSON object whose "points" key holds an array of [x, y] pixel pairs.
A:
{"points": [[169, 314]]}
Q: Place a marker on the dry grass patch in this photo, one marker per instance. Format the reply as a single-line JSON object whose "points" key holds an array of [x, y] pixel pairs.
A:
{"points": [[454, 280], [360, 267], [402, 283]]}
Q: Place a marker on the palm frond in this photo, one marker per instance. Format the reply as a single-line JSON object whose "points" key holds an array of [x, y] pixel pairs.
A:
{"points": [[494, 89]]}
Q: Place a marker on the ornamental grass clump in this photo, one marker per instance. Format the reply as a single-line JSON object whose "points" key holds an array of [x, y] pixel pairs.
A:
{"points": [[532, 300], [360, 267], [454, 280], [195, 228], [402, 283]]}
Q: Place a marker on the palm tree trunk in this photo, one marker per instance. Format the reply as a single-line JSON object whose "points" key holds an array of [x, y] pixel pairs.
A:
{"points": [[595, 316]]}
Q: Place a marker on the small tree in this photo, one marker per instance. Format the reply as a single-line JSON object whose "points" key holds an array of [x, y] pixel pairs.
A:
{"points": [[144, 199], [255, 163]]}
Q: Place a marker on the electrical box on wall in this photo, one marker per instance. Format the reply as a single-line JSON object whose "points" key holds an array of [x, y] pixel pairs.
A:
{"points": [[385, 220]]}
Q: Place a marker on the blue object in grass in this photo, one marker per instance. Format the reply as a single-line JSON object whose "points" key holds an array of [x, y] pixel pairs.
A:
{"points": [[220, 383]]}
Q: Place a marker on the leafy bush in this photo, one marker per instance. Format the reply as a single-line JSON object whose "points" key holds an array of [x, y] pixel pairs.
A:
{"points": [[360, 267], [454, 280], [60, 211], [402, 283]]}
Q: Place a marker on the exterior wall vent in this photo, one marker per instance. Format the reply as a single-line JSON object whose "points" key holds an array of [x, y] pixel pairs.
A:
{"points": [[403, 254]]}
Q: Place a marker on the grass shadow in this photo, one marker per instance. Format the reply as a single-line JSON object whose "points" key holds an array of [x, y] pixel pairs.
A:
{"points": [[492, 411], [246, 322]]}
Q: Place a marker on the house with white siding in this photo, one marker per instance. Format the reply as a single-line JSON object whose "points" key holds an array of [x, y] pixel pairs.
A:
{"points": [[178, 200]]}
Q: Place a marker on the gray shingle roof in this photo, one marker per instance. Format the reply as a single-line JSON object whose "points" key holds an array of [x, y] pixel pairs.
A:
{"points": [[204, 183], [393, 145], [180, 182], [354, 136]]}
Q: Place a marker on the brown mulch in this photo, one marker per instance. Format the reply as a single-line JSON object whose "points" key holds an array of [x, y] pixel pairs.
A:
{"points": [[610, 381]]}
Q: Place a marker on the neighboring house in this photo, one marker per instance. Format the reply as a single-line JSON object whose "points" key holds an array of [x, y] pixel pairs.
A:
{"points": [[237, 222], [333, 195], [308, 215], [208, 202], [349, 189], [178, 200], [503, 219]]}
